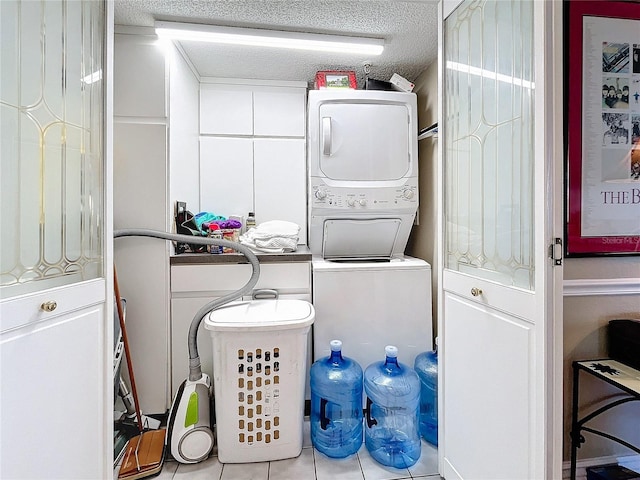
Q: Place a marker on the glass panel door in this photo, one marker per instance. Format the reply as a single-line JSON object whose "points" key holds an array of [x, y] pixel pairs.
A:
{"points": [[499, 287], [488, 145], [51, 112]]}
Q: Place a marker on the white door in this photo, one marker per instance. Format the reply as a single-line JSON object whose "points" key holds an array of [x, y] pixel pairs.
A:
{"points": [[55, 340], [498, 400]]}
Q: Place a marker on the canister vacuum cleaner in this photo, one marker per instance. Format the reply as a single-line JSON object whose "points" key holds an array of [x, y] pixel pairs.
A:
{"points": [[190, 435]]}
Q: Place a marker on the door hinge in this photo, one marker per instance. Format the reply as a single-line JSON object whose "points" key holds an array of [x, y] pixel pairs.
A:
{"points": [[555, 251]]}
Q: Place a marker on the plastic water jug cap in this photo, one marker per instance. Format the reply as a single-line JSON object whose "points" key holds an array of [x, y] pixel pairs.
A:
{"points": [[391, 351], [336, 345]]}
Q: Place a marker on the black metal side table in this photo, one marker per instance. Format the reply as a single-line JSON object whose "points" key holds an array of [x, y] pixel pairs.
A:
{"points": [[619, 375]]}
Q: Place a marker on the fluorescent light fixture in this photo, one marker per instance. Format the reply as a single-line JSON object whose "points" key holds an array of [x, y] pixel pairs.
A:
{"points": [[269, 38]]}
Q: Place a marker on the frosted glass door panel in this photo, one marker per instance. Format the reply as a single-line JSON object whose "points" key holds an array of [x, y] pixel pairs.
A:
{"points": [[360, 141], [51, 111], [489, 141]]}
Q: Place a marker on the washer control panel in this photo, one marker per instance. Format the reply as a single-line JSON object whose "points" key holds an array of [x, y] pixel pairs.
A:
{"points": [[375, 198]]}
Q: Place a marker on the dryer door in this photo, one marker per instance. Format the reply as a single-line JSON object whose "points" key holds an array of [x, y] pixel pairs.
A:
{"points": [[364, 141]]}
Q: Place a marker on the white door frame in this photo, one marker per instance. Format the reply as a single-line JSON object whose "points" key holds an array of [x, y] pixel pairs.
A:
{"points": [[108, 215]]}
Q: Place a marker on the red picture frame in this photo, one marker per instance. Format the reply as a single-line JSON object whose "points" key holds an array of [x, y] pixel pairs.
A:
{"points": [[339, 79], [602, 205]]}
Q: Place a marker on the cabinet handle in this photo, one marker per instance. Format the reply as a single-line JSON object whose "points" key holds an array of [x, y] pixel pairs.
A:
{"points": [[326, 136], [49, 306], [476, 292]]}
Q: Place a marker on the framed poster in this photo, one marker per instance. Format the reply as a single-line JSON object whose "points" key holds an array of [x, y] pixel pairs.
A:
{"points": [[603, 128]]}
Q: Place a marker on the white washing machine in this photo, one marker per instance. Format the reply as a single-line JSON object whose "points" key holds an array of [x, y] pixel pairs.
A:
{"points": [[368, 305]]}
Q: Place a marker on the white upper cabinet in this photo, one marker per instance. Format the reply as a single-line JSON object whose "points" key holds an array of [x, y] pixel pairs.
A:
{"points": [[279, 112], [252, 150], [137, 57], [254, 110], [226, 109], [226, 175]]}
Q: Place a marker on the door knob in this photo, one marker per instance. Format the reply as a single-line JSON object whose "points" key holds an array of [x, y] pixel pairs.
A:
{"points": [[49, 306], [476, 292]]}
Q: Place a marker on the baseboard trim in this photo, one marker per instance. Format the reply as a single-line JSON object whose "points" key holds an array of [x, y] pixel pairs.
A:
{"points": [[601, 286], [630, 461]]}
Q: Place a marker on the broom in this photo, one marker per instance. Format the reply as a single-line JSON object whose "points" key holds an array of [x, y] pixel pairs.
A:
{"points": [[144, 455]]}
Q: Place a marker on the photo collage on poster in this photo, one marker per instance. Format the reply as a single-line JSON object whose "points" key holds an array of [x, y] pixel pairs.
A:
{"points": [[621, 111]]}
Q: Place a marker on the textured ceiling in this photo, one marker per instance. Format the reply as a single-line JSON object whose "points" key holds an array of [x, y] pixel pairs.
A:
{"points": [[408, 28]]}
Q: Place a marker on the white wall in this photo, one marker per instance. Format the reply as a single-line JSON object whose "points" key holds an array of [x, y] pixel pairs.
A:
{"points": [[422, 242], [140, 179], [585, 337], [184, 86]]}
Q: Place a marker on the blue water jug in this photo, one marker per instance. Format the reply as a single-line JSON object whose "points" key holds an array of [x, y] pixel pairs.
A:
{"points": [[426, 366], [393, 400], [336, 404]]}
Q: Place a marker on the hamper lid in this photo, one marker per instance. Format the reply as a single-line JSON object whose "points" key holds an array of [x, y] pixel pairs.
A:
{"points": [[261, 314]]}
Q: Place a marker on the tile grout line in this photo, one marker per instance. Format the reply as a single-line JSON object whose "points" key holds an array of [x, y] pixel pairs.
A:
{"points": [[360, 465], [315, 471]]}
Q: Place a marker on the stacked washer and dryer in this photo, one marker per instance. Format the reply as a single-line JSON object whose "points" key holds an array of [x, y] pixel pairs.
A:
{"points": [[363, 198]]}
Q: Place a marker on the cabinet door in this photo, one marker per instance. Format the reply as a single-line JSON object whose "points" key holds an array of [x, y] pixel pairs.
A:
{"points": [[182, 312], [135, 57], [280, 182], [226, 109], [279, 112], [65, 356], [218, 280], [193, 286], [226, 175]]}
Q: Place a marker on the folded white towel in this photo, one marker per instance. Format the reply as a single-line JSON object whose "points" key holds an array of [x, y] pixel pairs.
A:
{"points": [[274, 228], [275, 236]]}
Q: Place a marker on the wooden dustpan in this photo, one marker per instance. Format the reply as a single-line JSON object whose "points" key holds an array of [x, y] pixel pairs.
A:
{"points": [[144, 455]]}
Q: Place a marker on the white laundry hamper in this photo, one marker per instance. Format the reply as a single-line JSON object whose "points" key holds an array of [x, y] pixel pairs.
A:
{"points": [[259, 365]]}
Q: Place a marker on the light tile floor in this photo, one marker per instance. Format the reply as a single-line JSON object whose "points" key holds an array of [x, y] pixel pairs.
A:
{"points": [[310, 465]]}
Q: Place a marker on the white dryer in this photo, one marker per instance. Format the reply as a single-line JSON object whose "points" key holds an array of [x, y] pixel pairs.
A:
{"points": [[363, 173]]}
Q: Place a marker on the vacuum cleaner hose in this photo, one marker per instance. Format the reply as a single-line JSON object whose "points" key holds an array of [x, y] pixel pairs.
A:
{"points": [[195, 369]]}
